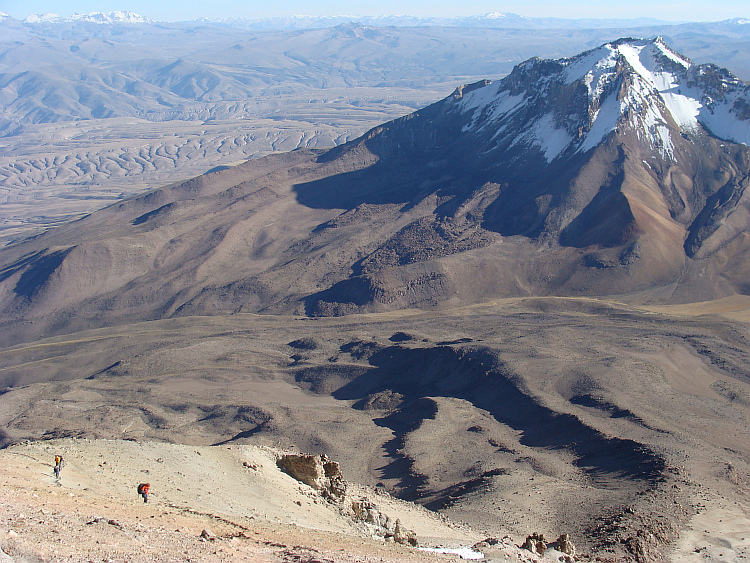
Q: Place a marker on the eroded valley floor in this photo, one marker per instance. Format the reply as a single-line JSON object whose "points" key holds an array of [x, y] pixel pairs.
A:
{"points": [[52, 173]]}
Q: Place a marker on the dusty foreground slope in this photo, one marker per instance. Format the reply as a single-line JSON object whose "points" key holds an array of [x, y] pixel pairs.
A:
{"points": [[626, 428], [248, 507]]}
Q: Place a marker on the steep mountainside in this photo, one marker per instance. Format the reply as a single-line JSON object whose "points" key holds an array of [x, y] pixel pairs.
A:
{"points": [[620, 171]]}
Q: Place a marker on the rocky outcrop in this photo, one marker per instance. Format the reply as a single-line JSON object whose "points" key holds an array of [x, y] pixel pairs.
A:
{"points": [[404, 536], [324, 475], [382, 525], [564, 545], [316, 471], [535, 543]]}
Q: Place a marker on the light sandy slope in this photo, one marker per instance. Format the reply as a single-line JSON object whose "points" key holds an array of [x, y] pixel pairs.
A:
{"points": [[236, 492], [720, 532], [736, 307]]}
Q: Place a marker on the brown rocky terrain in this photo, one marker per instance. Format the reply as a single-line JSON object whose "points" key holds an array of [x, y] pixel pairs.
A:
{"points": [[392, 220], [625, 428]]}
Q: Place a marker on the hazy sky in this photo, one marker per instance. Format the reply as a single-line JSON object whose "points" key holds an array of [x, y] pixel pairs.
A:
{"points": [[176, 10]]}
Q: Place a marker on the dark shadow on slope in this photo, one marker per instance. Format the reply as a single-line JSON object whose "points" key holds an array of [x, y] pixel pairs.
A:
{"points": [[710, 218], [342, 298], [225, 419], [109, 370], [607, 221], [478, 376], [403, 421], [247, 434], [38, 272], [399, 162], [159, 211], [449, 495], [16, 267]]}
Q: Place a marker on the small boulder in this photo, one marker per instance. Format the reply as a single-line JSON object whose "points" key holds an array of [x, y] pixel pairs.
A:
{"points": [[404, 536]]}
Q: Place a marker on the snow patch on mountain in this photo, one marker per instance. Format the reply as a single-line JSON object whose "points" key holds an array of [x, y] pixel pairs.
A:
{"points": [[494, 15], [603, 123], [684, 109], [549, 137], [594, 67], [493, 102]]}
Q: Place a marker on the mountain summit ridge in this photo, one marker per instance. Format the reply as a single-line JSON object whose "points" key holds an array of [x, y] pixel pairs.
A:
{"points": [[549, 119], [631, 70]]}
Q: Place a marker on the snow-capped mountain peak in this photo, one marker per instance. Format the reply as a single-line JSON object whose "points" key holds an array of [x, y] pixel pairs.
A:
{"points": [[641, 85], [43, 18], [494, 15]]}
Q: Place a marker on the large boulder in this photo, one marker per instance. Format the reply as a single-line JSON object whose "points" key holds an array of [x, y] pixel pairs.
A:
{"points": [[316, 471]]}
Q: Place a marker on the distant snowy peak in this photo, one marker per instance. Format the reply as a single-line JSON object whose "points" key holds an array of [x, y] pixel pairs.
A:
{"points": [[630, 84], [111, 17], [43, 18], [91, 17]]}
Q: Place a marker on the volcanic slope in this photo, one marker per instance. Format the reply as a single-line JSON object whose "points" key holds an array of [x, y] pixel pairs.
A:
{"points": [[620, 171]]}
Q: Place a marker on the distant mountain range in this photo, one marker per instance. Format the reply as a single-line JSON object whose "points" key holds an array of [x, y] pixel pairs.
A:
{"points": [[91, 17], [122, 65], [620, 171], [492, 19], [496, 20]]}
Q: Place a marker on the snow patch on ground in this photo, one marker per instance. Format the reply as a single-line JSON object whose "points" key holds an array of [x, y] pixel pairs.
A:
{"points": [[462, 552]]}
